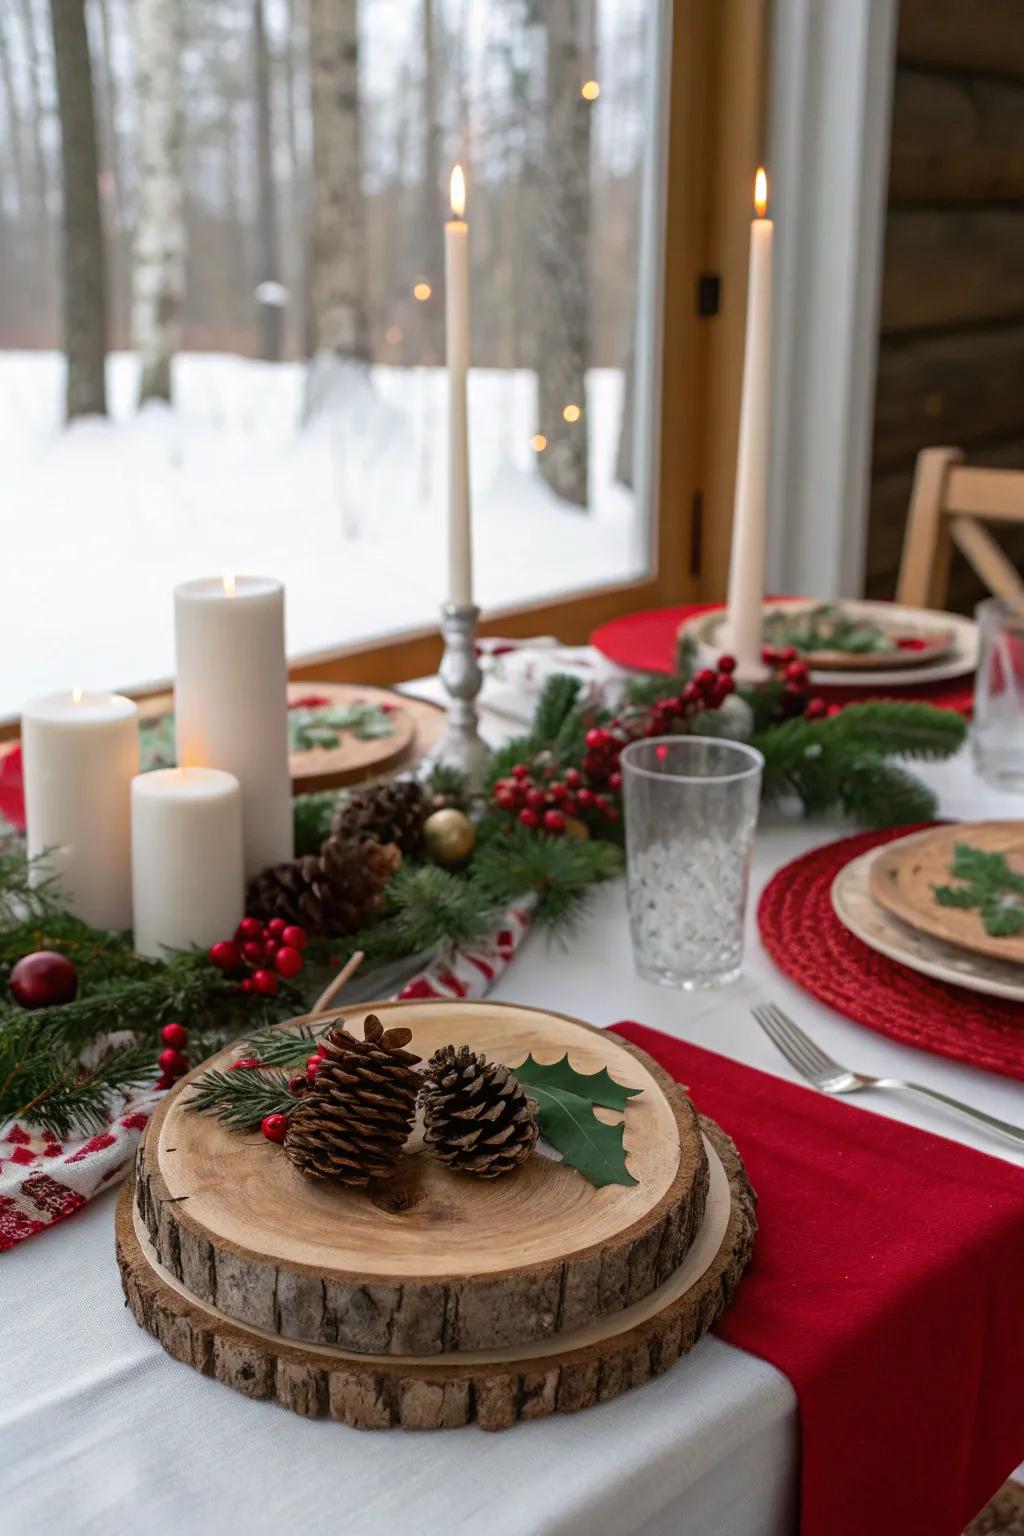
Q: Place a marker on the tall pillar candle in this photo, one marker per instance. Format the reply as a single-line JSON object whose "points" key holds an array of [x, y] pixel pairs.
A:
{"points": [[188, 882], [231, 701], [80, 752], [456, 268], [746, 564]]}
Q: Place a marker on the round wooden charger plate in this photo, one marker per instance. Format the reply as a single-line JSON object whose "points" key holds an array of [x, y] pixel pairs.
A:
{"points": [[417, 726], [492, 1390], [956, 655], [904, 876], [881, 931], [431, 1262]]}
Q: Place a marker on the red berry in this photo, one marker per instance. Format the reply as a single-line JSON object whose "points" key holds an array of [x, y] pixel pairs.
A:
{"points": [[520, 771], [253, 951], [558, 792], [164, 1082], [172, 1063], [833, 710], [691, 693], [244, 1063], [615, 781], [816, 709], [314, 1062], [225, 955], [789, 653], [276, 926], [249, 928], [727, 663], [570, 805], [298, 1084], [572, 778], [246, 985], [529, 818], [323, 1049], [769, 655], [726, 685], [536, 799], [288, 961], [294, 936], [554, 821], [602, 805], [264, 983], [796, 672], [175, 1035], [705, 678], [506, 800], [274, 1127], [585, 798], [596, 738]]}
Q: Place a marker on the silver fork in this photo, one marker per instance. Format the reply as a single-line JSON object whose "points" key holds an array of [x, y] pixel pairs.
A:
{"points": [[828, 1076]]}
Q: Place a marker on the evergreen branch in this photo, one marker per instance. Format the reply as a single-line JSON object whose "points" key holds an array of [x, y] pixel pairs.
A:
{"points": [[879, 794], [557, 871], [558, 699], [27, 891], [281, 1047], [311, 819], [240, 1100], [897, 728], [448, 783], [426, 906], [49, 1089]]}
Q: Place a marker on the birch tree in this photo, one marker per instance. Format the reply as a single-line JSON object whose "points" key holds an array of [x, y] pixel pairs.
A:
{"points": [[83, 278], [338, 262], [563, 250], [158, 266], [271, 311]]}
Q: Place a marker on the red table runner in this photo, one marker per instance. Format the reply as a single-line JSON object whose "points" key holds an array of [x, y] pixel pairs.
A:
{"points": [[646, 642], [886, 1285]]}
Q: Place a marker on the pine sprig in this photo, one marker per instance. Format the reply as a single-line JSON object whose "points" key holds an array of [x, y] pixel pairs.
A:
{"points": [[426, 906], [27, 890], [240, 1100], [311, 819], [276, 1047], [557, 872]]}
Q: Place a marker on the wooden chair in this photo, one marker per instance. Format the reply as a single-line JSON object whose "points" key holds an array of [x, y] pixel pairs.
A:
{"points": [[947, 501]]}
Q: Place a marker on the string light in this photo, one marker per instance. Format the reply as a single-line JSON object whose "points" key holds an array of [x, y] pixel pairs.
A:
{"points": [[421, 291], [590, 90], [538, 442], [571, 412]]}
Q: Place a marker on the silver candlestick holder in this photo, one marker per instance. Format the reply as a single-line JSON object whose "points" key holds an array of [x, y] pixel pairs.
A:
{"points": [[462, 745]]}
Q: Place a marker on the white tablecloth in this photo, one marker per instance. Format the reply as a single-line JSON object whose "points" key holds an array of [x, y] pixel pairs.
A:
{"points": [[101, 1431]]}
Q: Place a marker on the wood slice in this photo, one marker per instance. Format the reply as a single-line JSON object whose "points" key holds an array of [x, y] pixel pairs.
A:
{"points": [[906, 872], [433, 1261], [494, 1392]]}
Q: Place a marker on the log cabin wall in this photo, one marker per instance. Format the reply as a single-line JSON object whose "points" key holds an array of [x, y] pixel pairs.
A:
{"points": [[951, 355]]}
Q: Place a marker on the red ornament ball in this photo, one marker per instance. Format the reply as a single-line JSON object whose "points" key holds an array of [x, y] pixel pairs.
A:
{"points": [[43, 979], [293, 936], [288, 961], [249, 928], [172, 1063], [226, 955], [175, 1035], [264, 983], [274, 1127]]}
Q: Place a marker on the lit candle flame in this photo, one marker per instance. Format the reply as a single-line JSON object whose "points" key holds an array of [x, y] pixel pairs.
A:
{"points": [[761, 192], [229, 584], [76, 695], [458, 192]]}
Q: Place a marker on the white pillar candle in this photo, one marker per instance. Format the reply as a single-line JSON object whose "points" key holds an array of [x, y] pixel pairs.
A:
{"points": [[746, 564], [231, 701], [80, 752], [188, 881], [456, 268]]}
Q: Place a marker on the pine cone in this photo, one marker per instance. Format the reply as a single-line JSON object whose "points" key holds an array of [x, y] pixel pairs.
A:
{"points": [[355, 1118], [477, 1117], [392, 812], [334, 891]]}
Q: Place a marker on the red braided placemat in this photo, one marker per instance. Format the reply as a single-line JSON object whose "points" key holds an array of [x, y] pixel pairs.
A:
{"points": [[808, 942]]}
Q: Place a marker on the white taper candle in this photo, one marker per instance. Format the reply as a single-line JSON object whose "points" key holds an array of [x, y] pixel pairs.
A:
{"points": [[456, 266]]}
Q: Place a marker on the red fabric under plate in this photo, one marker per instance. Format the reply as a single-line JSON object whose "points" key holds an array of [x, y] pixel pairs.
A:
{"points": [[805, 938], [646, 642], [886, 1285]]}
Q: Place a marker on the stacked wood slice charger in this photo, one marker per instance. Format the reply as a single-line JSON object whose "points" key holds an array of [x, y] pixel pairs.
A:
{"points": [[433, 1299]]}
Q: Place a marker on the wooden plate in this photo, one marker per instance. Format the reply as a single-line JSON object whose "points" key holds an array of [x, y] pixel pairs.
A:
{"points": [[494, 1390], [955, 642], [906, 872], [881, 931], [440, 1262]]}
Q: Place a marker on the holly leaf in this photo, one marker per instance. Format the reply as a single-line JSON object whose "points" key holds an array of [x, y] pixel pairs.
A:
{"points": [[585, 1142], [596, 1087]]}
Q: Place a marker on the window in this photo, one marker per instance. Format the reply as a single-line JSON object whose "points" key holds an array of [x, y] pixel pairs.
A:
{"points": [[301, 215]]}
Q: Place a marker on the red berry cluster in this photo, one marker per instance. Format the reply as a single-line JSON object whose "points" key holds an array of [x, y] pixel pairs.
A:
{"points": [[275, 1126], [267, 951], [172, 1060], [792, 673], [543, 800]]}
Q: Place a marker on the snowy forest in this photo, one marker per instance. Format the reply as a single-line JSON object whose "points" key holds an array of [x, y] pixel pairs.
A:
{"points": [[221, 227]]}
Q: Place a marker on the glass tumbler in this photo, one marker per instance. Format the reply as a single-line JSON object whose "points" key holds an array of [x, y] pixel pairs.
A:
{"points": [[997, 730], [691, 806]]}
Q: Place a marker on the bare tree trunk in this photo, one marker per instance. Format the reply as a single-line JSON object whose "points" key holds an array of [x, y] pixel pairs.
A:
{"points": [[42, 178], [13, 118], [159, 260], [268, 291], [433, 207], [110, 116], [563, 251], [83, 276], [338, 276], [624, 454]]}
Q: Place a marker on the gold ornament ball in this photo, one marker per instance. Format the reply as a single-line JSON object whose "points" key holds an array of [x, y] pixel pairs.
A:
{"points": [[450, 837], [576, 829]]}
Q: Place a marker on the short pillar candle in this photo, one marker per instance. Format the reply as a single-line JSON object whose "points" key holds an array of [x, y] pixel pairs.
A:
{"points": [[188, 884], [80, 751]]}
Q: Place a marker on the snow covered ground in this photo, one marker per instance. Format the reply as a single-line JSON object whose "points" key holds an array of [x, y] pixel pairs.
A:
{"points": [[100, 521]]}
